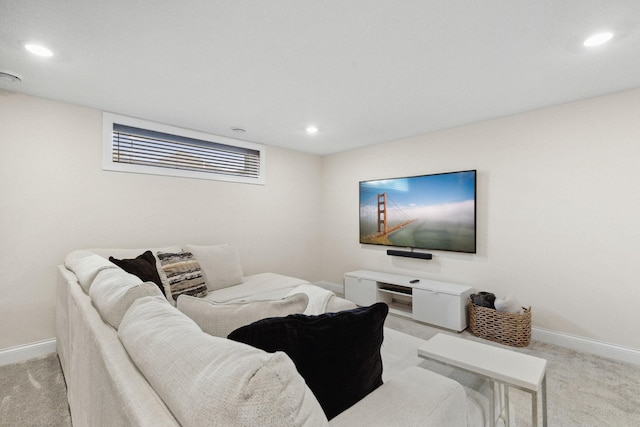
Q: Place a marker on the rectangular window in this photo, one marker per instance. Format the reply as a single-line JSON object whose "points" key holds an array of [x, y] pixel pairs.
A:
{"points": [[132, 145]]}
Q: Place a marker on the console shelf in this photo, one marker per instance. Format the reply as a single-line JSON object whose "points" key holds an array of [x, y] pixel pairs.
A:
{"points": [[438, 303]]}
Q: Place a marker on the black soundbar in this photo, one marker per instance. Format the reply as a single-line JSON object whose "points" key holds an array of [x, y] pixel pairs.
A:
{"points": [[421, 255]]}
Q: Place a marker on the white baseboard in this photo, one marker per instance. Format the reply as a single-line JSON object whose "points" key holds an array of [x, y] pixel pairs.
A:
{"points": [[599, 348], [27, 351]]}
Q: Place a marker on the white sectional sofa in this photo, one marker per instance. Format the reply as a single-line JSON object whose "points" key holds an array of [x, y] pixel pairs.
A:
{"points": [[131, 358]]}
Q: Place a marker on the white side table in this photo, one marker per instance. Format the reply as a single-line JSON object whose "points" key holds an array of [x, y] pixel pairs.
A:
{"points": [[503, 367]]}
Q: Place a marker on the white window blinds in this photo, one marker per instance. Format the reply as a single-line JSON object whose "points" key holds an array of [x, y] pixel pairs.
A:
{"points": [[138, 149]]}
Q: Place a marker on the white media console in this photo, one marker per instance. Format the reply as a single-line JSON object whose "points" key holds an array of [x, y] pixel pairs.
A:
{"points": [[430, 301]]}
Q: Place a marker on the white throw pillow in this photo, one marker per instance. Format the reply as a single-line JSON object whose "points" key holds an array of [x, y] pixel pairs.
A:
{"points": [[114, 290], [206, 380], [220, 265], [220, 319]]}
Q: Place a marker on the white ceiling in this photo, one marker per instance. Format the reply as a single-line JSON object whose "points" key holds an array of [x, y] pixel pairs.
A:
{"points": [[363, 71]]}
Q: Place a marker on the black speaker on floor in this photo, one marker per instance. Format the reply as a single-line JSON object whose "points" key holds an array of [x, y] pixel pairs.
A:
{"points": [[420, 255]]}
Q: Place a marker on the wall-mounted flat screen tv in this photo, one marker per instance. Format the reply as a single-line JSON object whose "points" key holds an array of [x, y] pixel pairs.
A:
{"points": [[436, 212]]}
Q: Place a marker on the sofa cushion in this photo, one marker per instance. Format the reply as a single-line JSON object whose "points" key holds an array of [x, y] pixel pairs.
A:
{"points": [[221, 319], [181, 275], [220, 265], [143, 266], [114, 290], [206, 380], [413, 397], [86, 265], [338, 354]]}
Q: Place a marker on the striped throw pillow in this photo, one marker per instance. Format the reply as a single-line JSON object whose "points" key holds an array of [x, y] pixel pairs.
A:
{"points": [[181, 275]]}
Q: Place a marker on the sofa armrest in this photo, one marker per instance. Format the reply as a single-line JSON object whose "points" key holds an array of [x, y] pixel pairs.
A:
{"points": [[414, 397]]}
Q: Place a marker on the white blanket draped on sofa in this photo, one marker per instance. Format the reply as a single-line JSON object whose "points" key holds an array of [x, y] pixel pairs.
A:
{"points": [[318, 298]]}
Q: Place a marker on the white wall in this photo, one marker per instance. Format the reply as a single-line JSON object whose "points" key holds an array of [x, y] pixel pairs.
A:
{"points": [[54, 197], [558, 212]]}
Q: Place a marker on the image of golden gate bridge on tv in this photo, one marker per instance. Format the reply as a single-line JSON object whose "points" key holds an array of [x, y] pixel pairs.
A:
{"points": [[436, 212]]}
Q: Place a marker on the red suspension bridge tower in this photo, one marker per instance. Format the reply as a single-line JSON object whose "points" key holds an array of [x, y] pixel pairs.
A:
{"points": [[382, 213]]}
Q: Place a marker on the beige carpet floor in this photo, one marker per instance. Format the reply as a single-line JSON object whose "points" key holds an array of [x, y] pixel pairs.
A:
{"points": [[34, 394]]}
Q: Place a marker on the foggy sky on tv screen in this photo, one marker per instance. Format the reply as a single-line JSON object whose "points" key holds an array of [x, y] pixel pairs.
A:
{"points": [[433, 211]]}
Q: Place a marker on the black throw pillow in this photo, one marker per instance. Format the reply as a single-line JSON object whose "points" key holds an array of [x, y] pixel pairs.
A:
{"points": [[143, 266], [338, 354]]}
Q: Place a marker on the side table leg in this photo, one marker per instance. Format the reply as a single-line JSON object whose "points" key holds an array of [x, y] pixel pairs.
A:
{"points": [[534, 409], [506, 406], [544, 400], [492, 404]]}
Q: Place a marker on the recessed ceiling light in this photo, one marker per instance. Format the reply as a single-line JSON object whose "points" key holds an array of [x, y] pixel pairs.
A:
{"points": [[311, 130], [39, 50], [598, 39]]}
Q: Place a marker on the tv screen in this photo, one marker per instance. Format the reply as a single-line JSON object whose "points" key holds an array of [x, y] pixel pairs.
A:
{"points": [[436, 212]]}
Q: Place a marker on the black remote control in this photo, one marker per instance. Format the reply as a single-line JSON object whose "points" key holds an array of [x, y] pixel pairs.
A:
{"points": [[414, 281]]}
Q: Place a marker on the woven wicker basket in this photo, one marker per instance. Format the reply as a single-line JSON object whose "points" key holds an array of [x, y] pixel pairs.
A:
{"points": [[506, 328]]}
